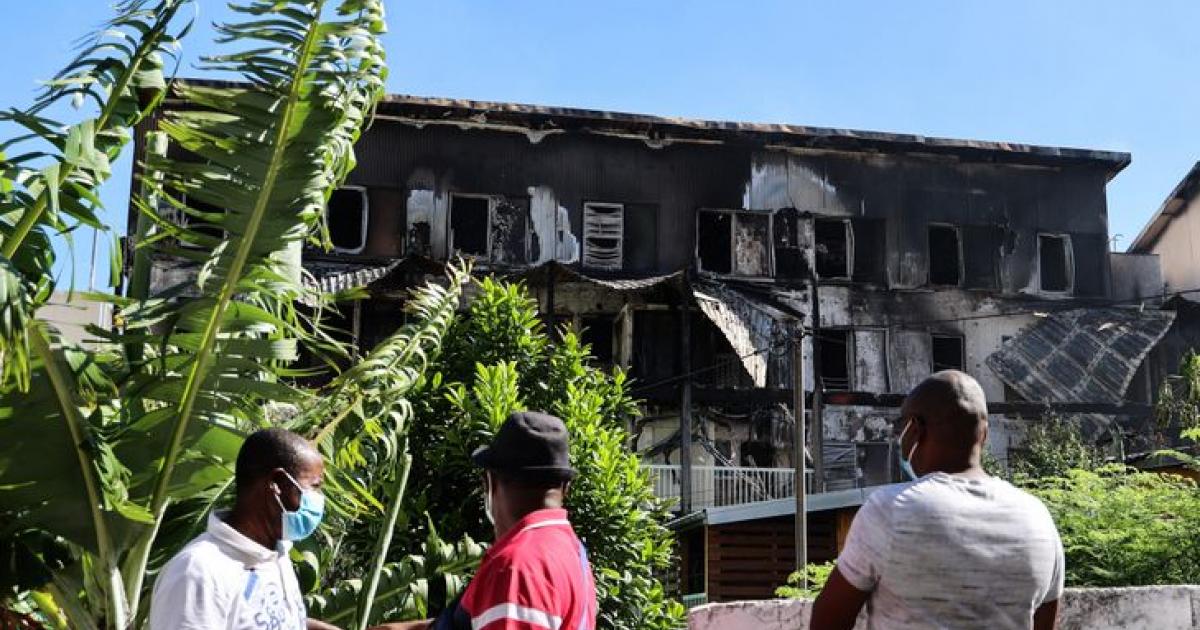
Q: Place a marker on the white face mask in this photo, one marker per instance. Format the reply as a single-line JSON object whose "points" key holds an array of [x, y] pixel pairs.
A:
{"points": [[487, 499]]}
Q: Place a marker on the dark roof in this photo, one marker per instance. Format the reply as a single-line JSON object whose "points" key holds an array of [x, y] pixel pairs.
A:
{"points": [[545, 120], [1175, 204], [538, 121], [1080, 356]]}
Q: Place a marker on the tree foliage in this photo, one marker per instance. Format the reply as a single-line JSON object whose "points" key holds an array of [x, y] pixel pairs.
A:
{"points": [[1053, 445], [497, 359], [1121, 527], [806, 584]]}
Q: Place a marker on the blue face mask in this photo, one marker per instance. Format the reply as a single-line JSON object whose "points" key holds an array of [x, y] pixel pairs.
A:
{"points": [[303, 522], [906, 462]]}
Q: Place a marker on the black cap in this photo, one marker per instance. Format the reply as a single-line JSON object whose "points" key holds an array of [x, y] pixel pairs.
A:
{"points": [[529, 444]]}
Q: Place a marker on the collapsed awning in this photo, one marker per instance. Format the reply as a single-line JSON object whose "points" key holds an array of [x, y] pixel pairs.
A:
{"points": [[1082, 355], [333, 277], [751, 327], [541, 275]]}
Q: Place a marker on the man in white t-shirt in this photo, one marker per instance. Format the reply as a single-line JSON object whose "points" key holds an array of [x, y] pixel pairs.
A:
{"points": [[955, 548], [237, 574]]}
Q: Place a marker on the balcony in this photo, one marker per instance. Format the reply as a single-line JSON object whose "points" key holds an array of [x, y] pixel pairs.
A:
{"points": [[718, 486]]}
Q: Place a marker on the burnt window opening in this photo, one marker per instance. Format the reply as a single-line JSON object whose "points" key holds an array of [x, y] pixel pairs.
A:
{"points": [[870, 250], [598, 333], [603, 236], [833, 246], [714, 236], [737, 243], [469, 220], [789, 254], [945, 256], [834, 368], [947, 351], [346, 215], [1054, 263]]}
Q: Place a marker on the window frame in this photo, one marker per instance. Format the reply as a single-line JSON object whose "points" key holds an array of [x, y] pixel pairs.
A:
{"points": [[491, 211], [366, 219], [848, 228], [962, 350], [1068, 263], [769, 244], [850, 357]]}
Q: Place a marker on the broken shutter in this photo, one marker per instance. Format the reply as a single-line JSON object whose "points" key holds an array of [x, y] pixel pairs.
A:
{"points": [[789, 253], [603, 235], [752, 242], [509, 226]]}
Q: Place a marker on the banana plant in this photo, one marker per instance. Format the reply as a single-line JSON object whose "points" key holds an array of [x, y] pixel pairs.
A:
{"points": [[97, 443], [362, 423], [50, 173]]}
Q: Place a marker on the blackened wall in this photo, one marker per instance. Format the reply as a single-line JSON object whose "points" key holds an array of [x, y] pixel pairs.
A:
{"points": [[1000, 207]]}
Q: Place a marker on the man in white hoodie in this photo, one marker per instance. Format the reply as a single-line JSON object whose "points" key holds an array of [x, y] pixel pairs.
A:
{"points": [[237, 574]]}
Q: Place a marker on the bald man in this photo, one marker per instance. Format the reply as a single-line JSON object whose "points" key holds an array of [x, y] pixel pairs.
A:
{"points": [[954, 547]]}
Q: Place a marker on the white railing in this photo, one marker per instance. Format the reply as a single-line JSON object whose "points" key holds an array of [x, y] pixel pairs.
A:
{"points": [[717, 486]]}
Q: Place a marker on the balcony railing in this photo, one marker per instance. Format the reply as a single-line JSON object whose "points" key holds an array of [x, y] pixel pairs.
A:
{"points": [[717, 486]]}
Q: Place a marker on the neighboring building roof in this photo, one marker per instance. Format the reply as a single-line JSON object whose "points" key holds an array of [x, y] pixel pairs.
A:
{"points": [[1175, 204], [1081, 355], [538, 121], [818, 502]]}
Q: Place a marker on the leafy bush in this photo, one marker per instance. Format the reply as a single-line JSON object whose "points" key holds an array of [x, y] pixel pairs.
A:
{"points": [[1121, 527], [497, 359], [1053, 446], [817, 574]]}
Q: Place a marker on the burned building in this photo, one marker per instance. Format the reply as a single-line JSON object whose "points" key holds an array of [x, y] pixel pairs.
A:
{"points": [[692, 253]]}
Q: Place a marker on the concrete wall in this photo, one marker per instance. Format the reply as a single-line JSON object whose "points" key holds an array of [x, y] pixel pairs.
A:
{"points": [[1155, 607], [72, 317], [1136, 276], [1179, 249]]}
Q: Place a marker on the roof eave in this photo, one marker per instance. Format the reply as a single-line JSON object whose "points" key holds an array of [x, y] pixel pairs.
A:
{"points": [[1176, 202]]}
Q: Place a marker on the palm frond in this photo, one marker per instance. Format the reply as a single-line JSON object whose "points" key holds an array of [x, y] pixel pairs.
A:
{"points": [[255, 164]]}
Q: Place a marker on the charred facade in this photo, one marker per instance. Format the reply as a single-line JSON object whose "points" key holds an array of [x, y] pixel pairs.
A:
{"points": [[692, 252]]}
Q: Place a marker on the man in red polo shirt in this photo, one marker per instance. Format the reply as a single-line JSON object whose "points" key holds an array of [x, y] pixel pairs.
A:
{"points": [[536, 576]]}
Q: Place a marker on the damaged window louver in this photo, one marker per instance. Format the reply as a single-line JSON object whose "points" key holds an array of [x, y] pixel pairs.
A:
{"points": [[603, 236], [346, 216]]}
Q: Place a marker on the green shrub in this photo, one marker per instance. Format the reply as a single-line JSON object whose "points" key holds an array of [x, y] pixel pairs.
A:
{"points": [[1121, 527], [817, 574], [1053, 446], [497, 359]]}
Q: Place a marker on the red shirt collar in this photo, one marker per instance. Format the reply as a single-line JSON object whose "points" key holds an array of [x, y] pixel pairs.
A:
{"points": [[533, 518]]}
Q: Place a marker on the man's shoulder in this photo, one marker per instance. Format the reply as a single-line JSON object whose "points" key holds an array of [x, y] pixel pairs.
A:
{"points": [[201, 559]]}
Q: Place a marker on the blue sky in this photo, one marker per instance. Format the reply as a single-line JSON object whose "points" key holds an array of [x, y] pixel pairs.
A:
{"points": [[1100, 74]]}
